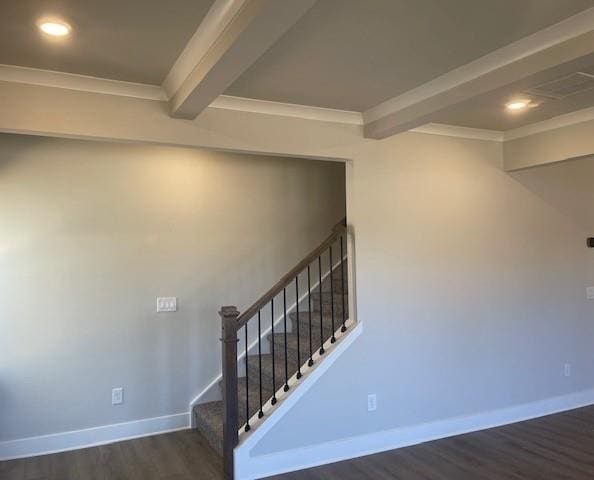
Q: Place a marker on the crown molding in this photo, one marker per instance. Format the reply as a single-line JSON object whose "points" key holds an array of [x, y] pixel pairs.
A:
{"points": [[563, 41], [460, 132], [242, 104], [83, 83], [554, 123], [565, 30]]}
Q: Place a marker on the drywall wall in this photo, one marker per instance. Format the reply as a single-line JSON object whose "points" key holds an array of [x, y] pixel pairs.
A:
{"points": [[471, 286], [551, 146], [470, 281], [92, 232]]}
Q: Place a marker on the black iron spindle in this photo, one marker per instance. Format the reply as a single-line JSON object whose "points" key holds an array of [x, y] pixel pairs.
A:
{"points": [[273, 401], [343, 329], [247, 383], [311, 362], [286, 387], [321, 306], [298, 328], [333, 339], [260, 413]]}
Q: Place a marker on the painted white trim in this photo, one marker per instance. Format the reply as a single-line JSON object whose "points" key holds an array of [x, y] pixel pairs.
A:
{"points": [[554, 123], [206, 394], [297, 459], [83, 83], [71, 81], [88, 437], [567, 29], [461, 132], [244, 462], [307, 112], [207, 33]]}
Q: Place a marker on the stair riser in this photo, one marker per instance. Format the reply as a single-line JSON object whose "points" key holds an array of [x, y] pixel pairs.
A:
{"points": [[254, 374], [327, 308], [336, 288], [292, 349], [327, 303], [212, 436], [303, 325]]}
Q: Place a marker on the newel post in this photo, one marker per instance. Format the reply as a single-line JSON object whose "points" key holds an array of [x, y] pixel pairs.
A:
{"points": [[230, 388]]}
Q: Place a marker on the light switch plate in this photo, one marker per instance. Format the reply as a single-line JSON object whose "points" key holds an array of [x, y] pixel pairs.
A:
{"points": [[590, 293], [372, 402], [167, 304], [117, 396]]}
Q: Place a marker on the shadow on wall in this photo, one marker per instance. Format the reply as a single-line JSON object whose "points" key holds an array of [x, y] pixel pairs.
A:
{"points": [[567, 186]]}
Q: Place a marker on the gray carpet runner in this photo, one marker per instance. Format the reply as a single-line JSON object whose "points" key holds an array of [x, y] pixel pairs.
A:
{"points": [[209, 416]]}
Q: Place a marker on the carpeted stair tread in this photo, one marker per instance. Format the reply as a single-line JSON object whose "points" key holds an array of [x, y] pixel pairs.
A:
{"points": [[279, 340], [315, 324], [254, 398], [327, 303], [254, 375]]}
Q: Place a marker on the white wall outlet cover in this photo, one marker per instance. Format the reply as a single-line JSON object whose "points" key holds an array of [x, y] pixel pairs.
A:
{"points": [[590, 293], [371, 402], [117, 396], [167, 304], [567, 370]]}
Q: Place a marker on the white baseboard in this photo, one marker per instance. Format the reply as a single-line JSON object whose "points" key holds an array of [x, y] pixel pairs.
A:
{"points": [[330, 452], [88, 437]]}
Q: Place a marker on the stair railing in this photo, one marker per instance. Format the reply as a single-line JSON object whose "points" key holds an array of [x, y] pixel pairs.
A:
{"points": [[233, 321]]}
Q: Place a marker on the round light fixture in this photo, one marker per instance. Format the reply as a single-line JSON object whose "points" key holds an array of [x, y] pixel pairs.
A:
{"points": [[55, 28], [517, 104]]}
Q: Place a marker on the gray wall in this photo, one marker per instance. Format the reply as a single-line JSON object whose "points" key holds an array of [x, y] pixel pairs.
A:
{"points": [[91, 233], [471, 286]]}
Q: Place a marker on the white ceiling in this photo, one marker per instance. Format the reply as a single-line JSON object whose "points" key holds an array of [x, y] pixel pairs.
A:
{"points": [[488, 111], [354, 54], [370, 56], [131, 40]]}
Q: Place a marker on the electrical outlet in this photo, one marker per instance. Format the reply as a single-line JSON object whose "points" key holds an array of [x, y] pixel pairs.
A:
{"points": [[117, 396], [590, 293], [166, 304], [567, 370], [372, 402]]}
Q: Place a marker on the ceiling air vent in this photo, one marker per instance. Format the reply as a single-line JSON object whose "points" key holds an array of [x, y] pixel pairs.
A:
{"points": [[564, 86]]}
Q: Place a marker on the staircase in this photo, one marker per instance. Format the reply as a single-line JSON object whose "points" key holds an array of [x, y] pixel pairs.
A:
{"points": [[280, 349]]}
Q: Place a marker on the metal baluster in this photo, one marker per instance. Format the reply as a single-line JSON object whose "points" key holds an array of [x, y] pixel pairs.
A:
{"points": [[311, 362], [247, 383], [333, 339], [343, 329], [273, 401], [298, 328], [260, 413], [286, 387], [321, 307]]}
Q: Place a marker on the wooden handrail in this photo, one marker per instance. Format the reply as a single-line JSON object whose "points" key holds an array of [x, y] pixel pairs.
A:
{"points": [[337, 230]]}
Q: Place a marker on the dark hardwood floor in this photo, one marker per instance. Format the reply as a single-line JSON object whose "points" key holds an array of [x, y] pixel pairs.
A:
{"points": [[183, 455], [558, 447]]}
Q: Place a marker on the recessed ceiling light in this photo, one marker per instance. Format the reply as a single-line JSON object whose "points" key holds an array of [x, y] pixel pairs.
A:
{"points": [[517, 104], [55, 28]]}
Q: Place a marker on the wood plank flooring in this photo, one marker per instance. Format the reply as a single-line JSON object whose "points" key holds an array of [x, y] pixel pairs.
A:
{"points": [[180, 455], [557, 447]]}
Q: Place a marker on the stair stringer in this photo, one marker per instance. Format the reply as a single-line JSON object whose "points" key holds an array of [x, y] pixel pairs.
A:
{"points": [[245, 466]]}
